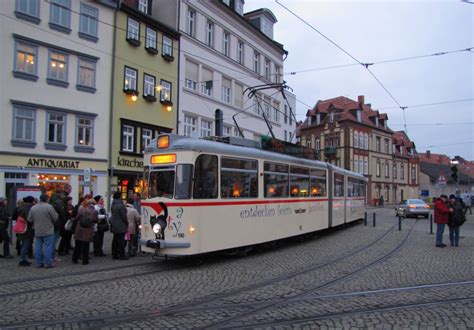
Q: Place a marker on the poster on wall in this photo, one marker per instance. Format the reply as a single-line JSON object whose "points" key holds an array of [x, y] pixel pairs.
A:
{"points": [[25, 191]]}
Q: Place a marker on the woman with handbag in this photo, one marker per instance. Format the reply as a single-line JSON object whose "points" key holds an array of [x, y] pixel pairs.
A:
{"points": [[67, 229], [102, 227]]}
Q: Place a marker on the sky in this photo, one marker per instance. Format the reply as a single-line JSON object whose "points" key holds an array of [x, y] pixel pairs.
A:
{"points": [[377, 31]]}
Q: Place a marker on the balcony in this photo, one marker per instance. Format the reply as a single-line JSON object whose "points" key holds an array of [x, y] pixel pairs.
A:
{"points": [[330, 151]]}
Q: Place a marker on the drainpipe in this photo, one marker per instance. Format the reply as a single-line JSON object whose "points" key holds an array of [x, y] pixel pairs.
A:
{"points": [[179, 68], [111, 109]]}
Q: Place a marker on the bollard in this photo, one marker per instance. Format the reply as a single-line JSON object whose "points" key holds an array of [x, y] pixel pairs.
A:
{"points": [[431, 223], [374, 218], [365, 219], [399, 222]]}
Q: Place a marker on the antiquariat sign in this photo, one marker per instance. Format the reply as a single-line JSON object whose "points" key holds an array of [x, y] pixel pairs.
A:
{"points": [[134, 163], [53, 163]]}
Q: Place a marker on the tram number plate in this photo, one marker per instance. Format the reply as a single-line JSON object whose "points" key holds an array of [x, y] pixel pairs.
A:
{"points": [[180, 235]]}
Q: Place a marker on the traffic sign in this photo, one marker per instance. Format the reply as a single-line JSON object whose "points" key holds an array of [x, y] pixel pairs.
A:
{"points": [[87, 175], [442, 180]]}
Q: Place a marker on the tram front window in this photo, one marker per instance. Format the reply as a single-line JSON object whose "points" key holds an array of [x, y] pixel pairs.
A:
{"points": [[161, 183]]}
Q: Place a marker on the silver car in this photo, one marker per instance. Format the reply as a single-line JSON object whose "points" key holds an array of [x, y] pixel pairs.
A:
{"points": [[413, 207]]}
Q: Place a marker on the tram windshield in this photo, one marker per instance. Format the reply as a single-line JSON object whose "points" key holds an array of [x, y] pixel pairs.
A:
{"points": [[170, 181]]}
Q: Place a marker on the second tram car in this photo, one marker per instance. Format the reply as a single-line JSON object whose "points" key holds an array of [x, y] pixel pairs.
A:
{"points": [[203, 196]]}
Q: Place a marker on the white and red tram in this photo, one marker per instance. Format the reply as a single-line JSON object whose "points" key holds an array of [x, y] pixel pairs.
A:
{"points": [[203, 196]]}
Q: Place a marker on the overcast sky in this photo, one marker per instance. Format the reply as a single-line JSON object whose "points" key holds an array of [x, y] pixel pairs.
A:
{"points": [[375, 31]]}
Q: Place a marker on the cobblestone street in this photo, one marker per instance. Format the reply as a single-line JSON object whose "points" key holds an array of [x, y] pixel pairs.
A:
{"points": [[354, 277]]}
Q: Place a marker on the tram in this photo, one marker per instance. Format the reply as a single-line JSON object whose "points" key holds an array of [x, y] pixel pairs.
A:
{"points": [[203, 195]]}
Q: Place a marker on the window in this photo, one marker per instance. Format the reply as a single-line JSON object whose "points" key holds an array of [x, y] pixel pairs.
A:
{"points": [[88, 22], [267, 69], [377, 168], [205, 177], [210, 34], [356, 139], [191, 75], [143, 6], [413, 172], [318, 144], [386, 169], [377, 143], [133, 30], [60, 15], [239, 178], [240, 52], [84, 132], [205, 128], [28, 10], [147, 136], [23, 125], [151, 39], [206, 86], [359, 115], [277, 74], [386, 146], [226, 43], [130, 80], [226, 90], [57, 68], [361, 140], [275, 180], [276, 112], [377, 121], [394, 170], [26, 60], [165, 93], [167, 46], [238, 95], [366, 141], [366, 167], [331, 117], [128, 138], [338, 185], [291, 117], [402, 171], [149, 84], [299, 181], [356, 166], [256, 62], [190, 22], [56, 128], [226, 130], [86, 75], [286, 114], [189, 125]]}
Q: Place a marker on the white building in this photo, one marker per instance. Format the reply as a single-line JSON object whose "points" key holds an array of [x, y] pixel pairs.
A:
{"points": [[55, 73], [224, 52]]}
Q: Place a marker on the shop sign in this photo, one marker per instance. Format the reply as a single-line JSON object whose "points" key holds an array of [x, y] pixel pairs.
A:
{"points": [[130, 163], [53, 163]]}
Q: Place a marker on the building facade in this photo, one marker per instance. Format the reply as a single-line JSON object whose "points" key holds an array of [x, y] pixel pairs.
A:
{"points": [[145, 90], [55, 95], [352, 135], [224, 52]]}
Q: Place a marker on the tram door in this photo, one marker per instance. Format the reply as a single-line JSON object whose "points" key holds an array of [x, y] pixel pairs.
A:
{"points": [[330, 180]]}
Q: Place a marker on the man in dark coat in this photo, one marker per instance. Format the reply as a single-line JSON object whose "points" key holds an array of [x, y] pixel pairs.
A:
{"points": [[59, 201], [119, 224], [441, 211], [455, 219], [4, 223], [27, 237]]}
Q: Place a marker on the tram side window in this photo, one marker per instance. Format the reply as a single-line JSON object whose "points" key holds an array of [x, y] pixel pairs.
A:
{"points": [[299, 181], [205, 177], [183, 181], [275, 180], [338, 185], [162, 182], [352, 190], [239, 178], [318, 183]]}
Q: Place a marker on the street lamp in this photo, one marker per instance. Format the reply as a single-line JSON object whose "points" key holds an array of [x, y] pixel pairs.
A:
{"points": [[454, 173]]}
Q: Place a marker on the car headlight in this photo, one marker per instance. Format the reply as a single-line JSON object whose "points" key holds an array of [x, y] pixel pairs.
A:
{"points": [[156, 228]]}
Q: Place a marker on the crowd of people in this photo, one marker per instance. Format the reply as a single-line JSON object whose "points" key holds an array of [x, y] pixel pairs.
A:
{"points": [[54, 227]]}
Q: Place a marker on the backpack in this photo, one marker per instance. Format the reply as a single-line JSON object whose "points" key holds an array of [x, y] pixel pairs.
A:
{"points": [[85, 221], [20, 226]]}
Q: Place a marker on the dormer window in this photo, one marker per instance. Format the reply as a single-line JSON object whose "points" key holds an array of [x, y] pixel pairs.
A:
{"points": [[143, 6], [331, 117], [377, 121], [359, 116], [318, 119], [385, 124]]}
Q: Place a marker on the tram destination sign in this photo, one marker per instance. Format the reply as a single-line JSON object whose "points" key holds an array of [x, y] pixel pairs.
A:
{"points": [[288, 148]]}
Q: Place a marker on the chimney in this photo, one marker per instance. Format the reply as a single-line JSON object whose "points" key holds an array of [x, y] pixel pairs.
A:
{"points": [[219, 122], [428, 154], [360, 99]]}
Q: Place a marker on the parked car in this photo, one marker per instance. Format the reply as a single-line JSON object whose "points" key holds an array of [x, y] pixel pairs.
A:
{"points": [[413, 207]]}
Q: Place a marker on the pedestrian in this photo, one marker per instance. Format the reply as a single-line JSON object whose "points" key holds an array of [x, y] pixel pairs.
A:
{"points": [[19, 203], [66, 234], [26, 238], [86, 217], [102, 226], [381, 200], [133, 222], [43, 216], [455, 219], [4, 224], [119, 226], [59, 202], [467, 203], [441, 211], [137, 202]]}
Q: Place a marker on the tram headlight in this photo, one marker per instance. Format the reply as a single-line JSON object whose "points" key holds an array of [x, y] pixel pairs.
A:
{"points": [[157, 228]]}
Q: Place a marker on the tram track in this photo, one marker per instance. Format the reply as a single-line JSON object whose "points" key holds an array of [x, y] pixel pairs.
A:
{"points": [[110, 320]]}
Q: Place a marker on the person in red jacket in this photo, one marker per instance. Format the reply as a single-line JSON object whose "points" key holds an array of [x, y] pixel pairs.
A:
{"points": [[441, 211]]}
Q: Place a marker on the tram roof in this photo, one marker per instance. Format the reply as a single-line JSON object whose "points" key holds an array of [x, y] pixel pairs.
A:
{"points": [[179, 142]]}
